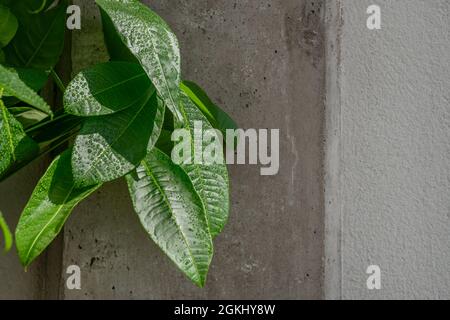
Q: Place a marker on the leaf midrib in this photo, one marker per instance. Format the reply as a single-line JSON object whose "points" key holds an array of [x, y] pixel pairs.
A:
{"points": [[119, 83], [196, 167]]}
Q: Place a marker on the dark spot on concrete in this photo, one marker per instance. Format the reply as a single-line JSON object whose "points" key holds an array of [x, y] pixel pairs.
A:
{"points": [[92, 261]]}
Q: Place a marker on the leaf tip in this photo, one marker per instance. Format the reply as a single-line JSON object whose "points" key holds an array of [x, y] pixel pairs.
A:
{"points": [[200, 281], [24, 261]]}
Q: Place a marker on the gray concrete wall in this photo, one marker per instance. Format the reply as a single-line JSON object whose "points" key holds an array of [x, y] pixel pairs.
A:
{"points": [[395, 150], [263, 62]]}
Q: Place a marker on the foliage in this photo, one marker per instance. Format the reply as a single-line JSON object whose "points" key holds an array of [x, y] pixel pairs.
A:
{"points": [[116, 122]]}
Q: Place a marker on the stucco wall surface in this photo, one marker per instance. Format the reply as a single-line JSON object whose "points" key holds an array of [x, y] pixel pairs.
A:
{"points": [[395, 149]]}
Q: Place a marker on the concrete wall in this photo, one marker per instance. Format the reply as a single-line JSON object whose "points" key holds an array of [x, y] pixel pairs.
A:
{"points": [[395, 150], [14, 282], [263, 62]]}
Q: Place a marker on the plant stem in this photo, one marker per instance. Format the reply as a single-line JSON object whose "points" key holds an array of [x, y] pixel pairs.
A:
{"points": [[44, 123], [57, 80]]}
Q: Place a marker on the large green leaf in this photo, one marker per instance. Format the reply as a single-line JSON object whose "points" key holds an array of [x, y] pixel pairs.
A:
{"points": [[107, 88], [6, 233], [152, 42], [40, 38], [13, 85], [8, 25], [172, 214], [50, 205], [216, 116], [108, 147], [210, 178], [15, 146]]}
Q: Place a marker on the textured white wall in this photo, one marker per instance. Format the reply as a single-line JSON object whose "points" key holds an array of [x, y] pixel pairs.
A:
{"points": [[395, 149]]}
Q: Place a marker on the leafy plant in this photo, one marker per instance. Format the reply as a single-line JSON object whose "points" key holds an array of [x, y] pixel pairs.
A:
{"points": [[116, 122]]}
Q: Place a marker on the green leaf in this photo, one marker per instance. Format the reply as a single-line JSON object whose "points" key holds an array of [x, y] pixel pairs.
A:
{"points": [[107, 88], [152, 42], [172, 214], [210, 179], [27, 116], [13, 85], [50, 205], [15, 146], [116, 49], [35, 79], [6, 233], [218, 118], [109, 147], [8, 26], [40, 38]]}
